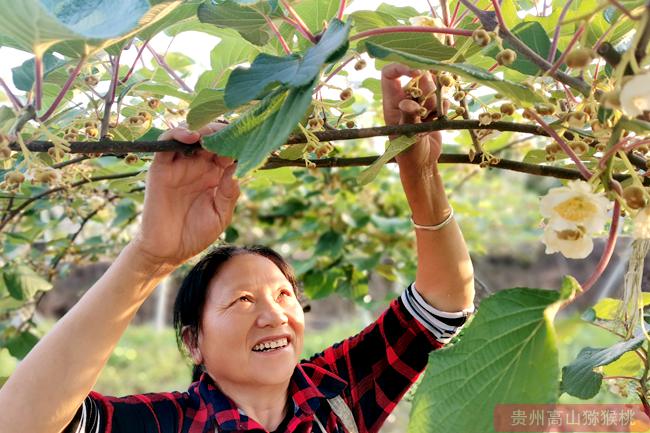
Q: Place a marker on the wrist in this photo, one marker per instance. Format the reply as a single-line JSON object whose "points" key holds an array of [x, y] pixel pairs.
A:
{"points": [[144, 261]]}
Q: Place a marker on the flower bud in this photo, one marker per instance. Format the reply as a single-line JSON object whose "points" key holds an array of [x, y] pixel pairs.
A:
{"points": [[506, 57], [446, 80], [481, 37], [360, 65], [634, 196], [484, 119], [346, 94], [458, 96], [508, 109], [545, 109], [14, 178], [153, 103], [579, 58], [91, 80], [350, 124], [131, 159]]}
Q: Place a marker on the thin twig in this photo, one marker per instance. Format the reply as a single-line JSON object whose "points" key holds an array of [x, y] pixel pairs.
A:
{"points": [[132, 68], [341, 10], [71, 78], [38, 82], [608, 251], [109, 98], [13, 98], [298, 20], [556, 33], [163, 64], [277, 33], [572, 42]]}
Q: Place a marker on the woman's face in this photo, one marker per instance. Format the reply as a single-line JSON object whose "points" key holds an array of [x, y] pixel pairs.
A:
{"points": [[252, 327]]}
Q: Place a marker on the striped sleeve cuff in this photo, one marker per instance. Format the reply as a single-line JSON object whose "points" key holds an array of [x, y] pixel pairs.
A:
{"points": [[442, 324], [87, 419]]}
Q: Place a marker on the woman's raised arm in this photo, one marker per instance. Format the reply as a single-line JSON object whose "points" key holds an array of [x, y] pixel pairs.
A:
{"points": [[189, 202], [445, 276]]}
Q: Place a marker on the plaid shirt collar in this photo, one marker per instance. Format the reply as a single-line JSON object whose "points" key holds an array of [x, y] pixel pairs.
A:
{"points": [[309, 385]]}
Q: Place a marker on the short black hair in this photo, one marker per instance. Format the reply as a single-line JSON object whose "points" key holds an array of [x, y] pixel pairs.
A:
{"points": [[191, 297]]}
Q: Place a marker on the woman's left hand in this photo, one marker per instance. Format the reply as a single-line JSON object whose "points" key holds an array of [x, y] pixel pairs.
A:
{"points": [[422, 157]]}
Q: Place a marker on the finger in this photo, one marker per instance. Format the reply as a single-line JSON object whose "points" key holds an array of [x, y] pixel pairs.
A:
{"points": [[226, 194], [179, 134], [428, 87], [396, 70], [410, 112], [222, 161], [211, 128]]}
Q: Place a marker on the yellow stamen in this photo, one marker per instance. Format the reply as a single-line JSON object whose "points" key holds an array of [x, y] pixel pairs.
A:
{"points": [[576, 209]]}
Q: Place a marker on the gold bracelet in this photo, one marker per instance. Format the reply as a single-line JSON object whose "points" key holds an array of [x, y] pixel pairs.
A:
{"points": [[437, 226]]}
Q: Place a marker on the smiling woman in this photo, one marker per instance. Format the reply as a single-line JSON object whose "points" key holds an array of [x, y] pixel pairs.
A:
{"points": [[239, 316]]}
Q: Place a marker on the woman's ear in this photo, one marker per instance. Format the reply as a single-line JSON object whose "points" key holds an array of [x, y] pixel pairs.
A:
{"points": [[190, 339]]}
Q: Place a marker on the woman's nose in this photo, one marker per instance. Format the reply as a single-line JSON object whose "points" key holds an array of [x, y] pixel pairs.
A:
{"points": [[271, 314]]}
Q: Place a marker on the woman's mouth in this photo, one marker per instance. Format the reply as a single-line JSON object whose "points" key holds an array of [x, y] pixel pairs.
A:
{"points": [[271, 345]]}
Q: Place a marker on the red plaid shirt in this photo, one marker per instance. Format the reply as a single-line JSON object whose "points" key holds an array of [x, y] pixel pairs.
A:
{"points": [[371, 371]]}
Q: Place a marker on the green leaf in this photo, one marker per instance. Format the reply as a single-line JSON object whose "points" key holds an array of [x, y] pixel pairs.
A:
{"points": [[316, 12], [636, 125], [165, 90], [183, 12], [395, 147], [400, 12], [318, 284], [520, 93], [367, 20], [207, 105], [570, 286], [20, 345], [261, 130], [246, 84], [330, 245], [231, 50], [579, 378], [266, 178], [508, 354], [7, 363], [606, 308], [424, 45], [23, 283], [629, 364], [36, 25], [247, 21], [535, 37], [23, 75]]}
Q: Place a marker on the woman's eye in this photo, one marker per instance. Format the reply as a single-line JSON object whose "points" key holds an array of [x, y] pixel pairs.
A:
{"points": [[245, 298], [285, 293]]}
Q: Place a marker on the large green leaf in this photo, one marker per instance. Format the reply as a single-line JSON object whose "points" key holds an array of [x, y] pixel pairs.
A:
{"points": [[424, 45], [20, 345], [207, 105], [394, 148], [251, 137], [506, 355], [315, 13], [246, 84], [231, 50], [23, 283], [579, 378], [367, 20], [249, 22], [518, 92], [36, 25], [23, 75]]}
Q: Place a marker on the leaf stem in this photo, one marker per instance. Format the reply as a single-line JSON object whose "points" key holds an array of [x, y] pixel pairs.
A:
{"points": [[341, 10], [334, 72], [452, 22], [277, 33], [609, 248], [299, 21], [13, 98], [71, 78], [556, 33], [137, 57], [411, 29], [109, 98], [563, 144], [163, 64], [572, 42], [38, 82]]}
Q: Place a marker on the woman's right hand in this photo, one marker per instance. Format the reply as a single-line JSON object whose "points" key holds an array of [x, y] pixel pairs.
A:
{"points": [[189, 200]]}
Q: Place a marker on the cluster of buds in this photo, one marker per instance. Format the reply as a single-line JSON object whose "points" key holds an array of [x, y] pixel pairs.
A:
{"points": [[580, 147], [90, 128], [56, 153], [320, 149], [446, 79], [44, 175], [576, 119], [13, 179], [70, 134], [315, 123]]}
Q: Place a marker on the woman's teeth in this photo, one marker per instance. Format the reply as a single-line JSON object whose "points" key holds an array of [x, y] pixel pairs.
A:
{"points": [[270, 345]]}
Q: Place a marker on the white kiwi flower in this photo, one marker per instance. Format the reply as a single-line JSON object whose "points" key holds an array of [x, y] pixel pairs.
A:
{"points": [[635, 95]]}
